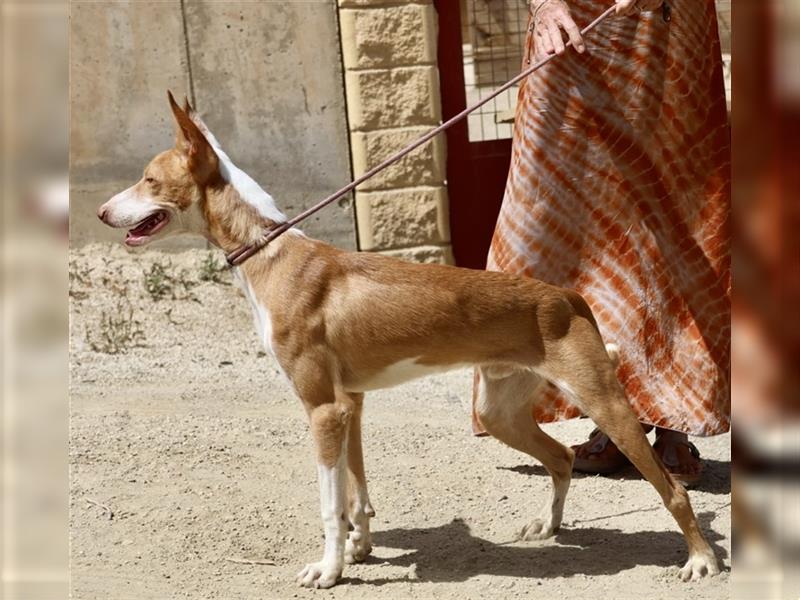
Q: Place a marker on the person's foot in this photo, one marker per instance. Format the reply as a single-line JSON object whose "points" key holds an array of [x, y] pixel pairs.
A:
{"points": [[681, 458], [679, 455], [599, 455]]}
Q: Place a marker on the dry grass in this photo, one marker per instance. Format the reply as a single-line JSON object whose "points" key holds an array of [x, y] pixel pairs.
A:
{"points": [[161, 281], [117, 332], [213, 271]]}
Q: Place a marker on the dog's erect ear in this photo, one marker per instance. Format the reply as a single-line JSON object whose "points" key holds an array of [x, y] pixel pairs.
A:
{"points": [[188, 136], [191, 142], [187, 108]]}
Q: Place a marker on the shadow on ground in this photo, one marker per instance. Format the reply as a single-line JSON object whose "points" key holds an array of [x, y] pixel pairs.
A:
{"points": [[716, 477], [450, 553]]}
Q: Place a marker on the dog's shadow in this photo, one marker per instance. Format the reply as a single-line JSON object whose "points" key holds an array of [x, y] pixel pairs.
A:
{"points": [[450, 553], [716, 475]]}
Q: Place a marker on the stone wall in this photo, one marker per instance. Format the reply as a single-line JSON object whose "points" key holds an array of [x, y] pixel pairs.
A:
{"points": [[392, 90], [266, 76]]}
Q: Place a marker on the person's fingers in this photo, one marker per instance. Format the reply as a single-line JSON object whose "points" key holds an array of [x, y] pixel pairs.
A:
{"points": [[546, 45], [625, 7], [573, 32], [555, 37], [536, 46]]}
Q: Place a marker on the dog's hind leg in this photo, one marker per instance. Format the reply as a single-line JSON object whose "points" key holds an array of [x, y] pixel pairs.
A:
{"points": [[581, 367], [359, 541], [504, 408]]}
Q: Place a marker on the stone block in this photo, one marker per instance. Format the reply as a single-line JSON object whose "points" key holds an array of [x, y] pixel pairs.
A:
{"points": [[404, 217], [424, 166], [380, 99], [390, 37], [378, 3]]}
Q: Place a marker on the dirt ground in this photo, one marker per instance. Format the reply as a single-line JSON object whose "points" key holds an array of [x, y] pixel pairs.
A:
{"points": [[189, 452]]}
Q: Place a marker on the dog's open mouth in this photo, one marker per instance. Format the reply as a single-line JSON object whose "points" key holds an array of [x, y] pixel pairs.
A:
{"points": [[146, 228]]}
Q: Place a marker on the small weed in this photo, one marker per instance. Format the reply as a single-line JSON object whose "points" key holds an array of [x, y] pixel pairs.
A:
{"points": [[79, 276], [77, 294], [117, 332], [157, 282], [161, 282], [211, 270]]}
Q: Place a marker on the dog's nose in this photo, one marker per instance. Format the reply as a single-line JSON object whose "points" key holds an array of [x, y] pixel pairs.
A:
{"points": [[101, 213]]}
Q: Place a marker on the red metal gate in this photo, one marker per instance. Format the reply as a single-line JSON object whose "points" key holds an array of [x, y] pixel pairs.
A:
{"points": [[480, 45]]}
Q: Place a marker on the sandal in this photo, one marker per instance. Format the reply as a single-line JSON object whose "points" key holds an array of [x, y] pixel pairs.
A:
{"points": [[673, 463], [602, 456]]}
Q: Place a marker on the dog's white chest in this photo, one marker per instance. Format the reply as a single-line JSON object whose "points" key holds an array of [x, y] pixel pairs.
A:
{"points": [[261, 317]]}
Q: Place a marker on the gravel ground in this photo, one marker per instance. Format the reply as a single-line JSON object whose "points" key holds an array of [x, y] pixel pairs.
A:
{"points": [[189, 453]]}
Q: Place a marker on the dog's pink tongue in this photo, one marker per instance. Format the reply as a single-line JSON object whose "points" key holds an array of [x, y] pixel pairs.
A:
{"points": [[138, 234], [132, 239]]}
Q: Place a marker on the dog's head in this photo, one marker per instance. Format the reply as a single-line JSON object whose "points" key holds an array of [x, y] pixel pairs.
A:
{"points": [[168, 197]]}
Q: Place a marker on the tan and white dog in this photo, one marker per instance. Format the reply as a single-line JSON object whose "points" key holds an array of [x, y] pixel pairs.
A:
{"points": [[342, 323]]}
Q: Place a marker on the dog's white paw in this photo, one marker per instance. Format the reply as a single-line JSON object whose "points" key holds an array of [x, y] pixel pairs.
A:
{"points": [[357, 548], [538, 529], [698, 566], [318, 575]]}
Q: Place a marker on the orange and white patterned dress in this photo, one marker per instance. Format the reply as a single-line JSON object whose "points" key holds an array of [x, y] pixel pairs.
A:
{"points": [[619, 187]]}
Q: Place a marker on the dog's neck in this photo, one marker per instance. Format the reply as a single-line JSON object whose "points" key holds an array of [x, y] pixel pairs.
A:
{"points": [[231, 221]]}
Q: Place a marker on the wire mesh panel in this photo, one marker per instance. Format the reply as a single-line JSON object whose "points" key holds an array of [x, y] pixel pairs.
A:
{"points": [[724, 20], [493, 35], [493, 38]]}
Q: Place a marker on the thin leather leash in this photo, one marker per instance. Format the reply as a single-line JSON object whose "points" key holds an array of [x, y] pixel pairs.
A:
{"points": [[241, 254]]}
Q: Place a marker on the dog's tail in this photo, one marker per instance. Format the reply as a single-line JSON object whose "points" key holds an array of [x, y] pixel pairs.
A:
{"points": [[613, 354]]}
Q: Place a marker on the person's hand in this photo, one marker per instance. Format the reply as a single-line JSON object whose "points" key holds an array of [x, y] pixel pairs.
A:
{"points": [[627, 7], [550, 17]]}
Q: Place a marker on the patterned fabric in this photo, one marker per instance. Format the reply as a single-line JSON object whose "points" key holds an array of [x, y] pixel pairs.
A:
{"points": [[619, 187]]}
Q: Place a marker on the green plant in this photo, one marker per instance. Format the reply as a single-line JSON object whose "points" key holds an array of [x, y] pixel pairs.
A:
{"points": [[157, 281], [117, 332], [211, 270], [80, 273], [161, 282]]}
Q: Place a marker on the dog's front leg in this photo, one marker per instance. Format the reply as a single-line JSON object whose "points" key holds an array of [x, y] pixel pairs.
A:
{"points": [[329, 425]]}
